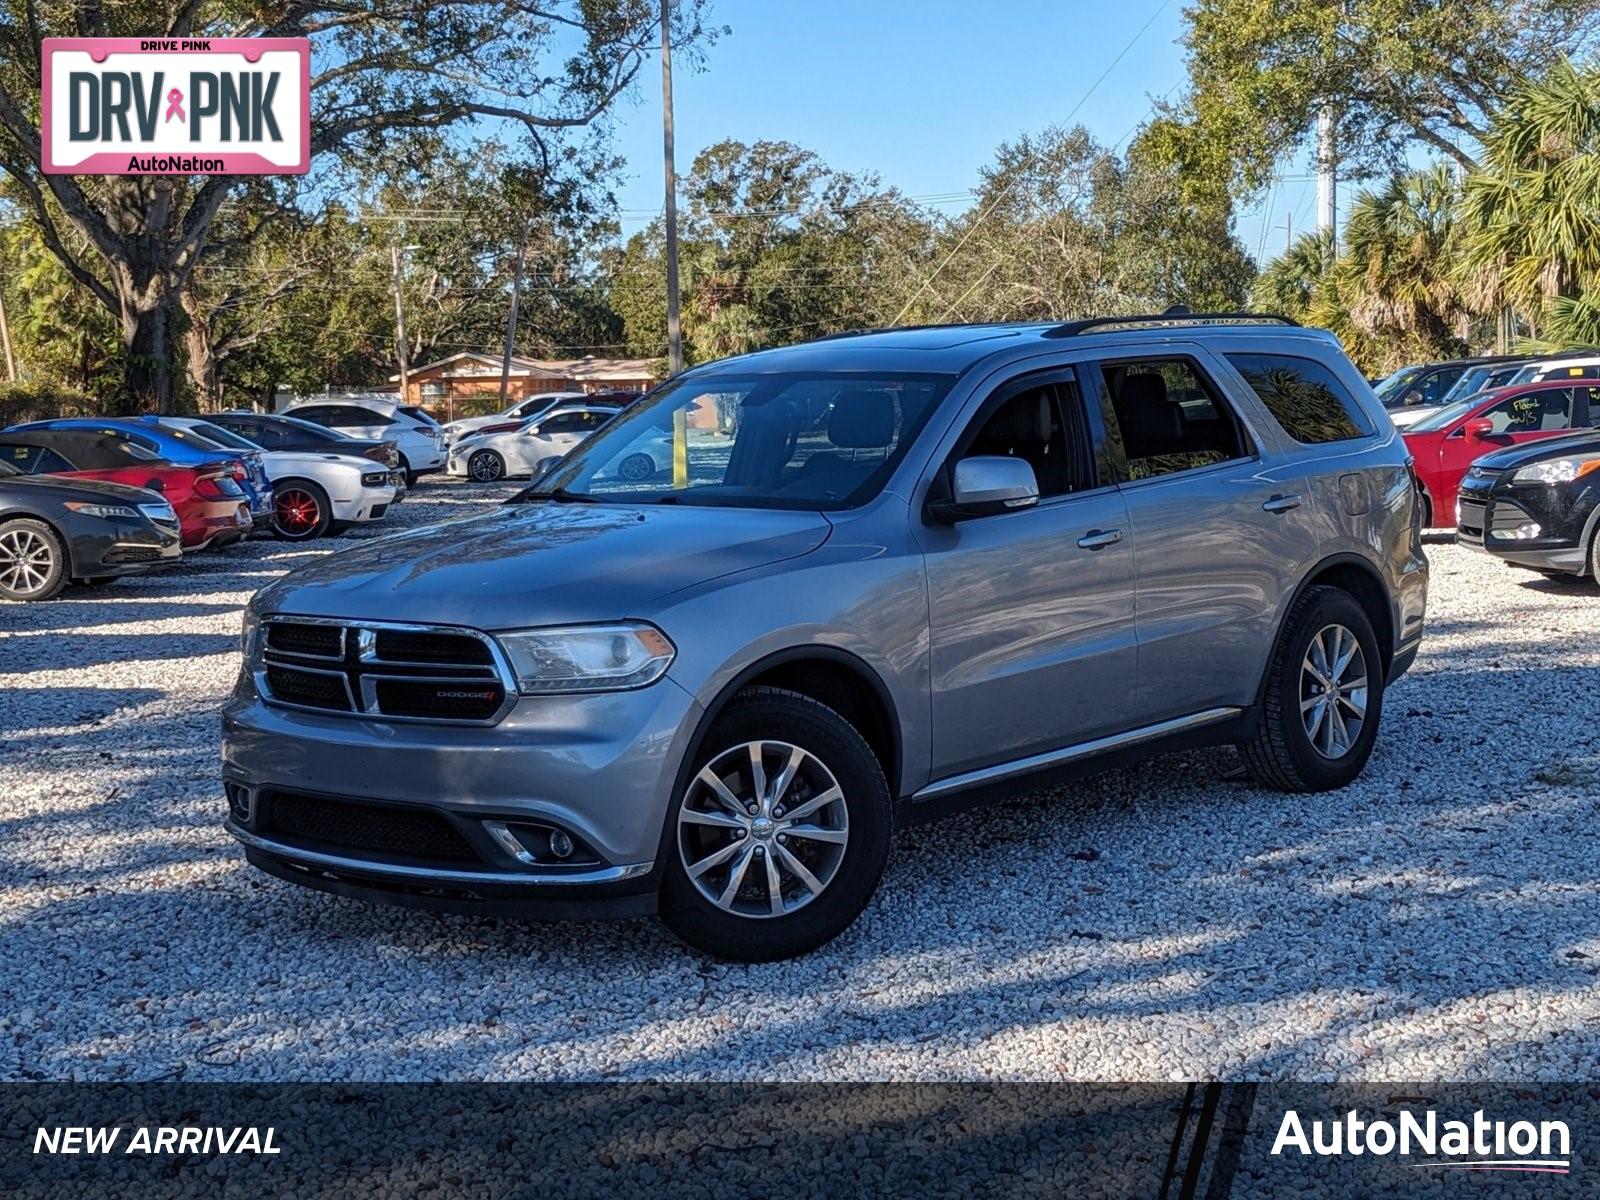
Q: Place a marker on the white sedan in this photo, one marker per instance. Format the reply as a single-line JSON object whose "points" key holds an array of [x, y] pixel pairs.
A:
{"points": [[528, 449], [313, 492]]}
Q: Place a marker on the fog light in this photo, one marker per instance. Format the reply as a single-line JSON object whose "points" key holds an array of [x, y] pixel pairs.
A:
{"points": [[239, 803], [1522, 533], [560, 844]]}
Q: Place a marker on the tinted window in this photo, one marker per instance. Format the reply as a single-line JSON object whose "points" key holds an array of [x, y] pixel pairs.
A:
{"points": [[33, 460], [1434, 388], [572, 422], [1303, 396], [322, 414], [1532, 412], [191, 437], [1170, 418], [223, 437], [351, 416]]}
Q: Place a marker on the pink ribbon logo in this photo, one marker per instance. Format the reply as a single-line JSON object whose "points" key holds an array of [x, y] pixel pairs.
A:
{"points": [[175, 105]]}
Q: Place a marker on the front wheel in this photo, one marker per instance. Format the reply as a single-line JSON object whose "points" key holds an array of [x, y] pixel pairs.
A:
{"points": [[781, 834], [486, 466], [300, 511], [33, 561], [1323, 699], [636, 468], [411, 476]]}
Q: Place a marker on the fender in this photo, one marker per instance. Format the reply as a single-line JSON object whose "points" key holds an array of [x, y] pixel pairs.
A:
{"points": [[1341, 559]]}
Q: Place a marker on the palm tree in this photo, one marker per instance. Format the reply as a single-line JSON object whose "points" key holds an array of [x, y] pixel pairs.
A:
{"points": [[1396, 275], [1288, 284], [1532, 215]]}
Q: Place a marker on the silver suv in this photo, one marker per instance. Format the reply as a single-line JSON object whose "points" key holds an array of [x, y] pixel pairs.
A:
{"points": [[881, 576]]}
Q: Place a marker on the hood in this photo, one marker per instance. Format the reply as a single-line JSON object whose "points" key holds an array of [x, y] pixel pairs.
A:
{"points": [[542, 563], [1586, 441], [69, 487]]}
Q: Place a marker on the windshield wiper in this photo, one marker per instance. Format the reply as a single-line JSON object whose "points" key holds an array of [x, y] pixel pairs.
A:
{"points": [[562, 496]]}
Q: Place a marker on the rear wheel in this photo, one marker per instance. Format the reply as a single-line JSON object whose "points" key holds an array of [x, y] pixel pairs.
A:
{"points": [[781, 835], [1323, 699], [411, 476], [486, 466], [33, 560], [300, 511]]}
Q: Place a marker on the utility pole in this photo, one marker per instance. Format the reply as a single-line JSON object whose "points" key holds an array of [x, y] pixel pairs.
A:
{"points": [[680, 418], [1327, 184], [1288, 232], [401, 350], [674, 326], [511, 322]]}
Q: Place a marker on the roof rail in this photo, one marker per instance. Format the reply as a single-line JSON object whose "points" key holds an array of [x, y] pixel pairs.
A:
{"points": [[1175, 317]]}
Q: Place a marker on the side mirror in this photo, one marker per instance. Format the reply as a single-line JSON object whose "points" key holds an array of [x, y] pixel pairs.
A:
{"points": [[986, 485], [1479, 429]]}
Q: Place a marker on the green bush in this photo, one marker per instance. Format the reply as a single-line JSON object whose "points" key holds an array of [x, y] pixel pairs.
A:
{"points": [[41, 401]]}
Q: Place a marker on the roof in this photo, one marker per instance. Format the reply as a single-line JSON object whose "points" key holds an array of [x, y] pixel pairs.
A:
{"points": [[85, 449], [472, 364], [955, 348]]}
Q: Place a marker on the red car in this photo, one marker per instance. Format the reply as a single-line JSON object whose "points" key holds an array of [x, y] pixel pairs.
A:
{"points": [[1449, 441], [212, 509]]}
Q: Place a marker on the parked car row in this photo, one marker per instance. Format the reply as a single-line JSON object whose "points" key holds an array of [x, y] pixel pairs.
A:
{"points": [[1416, 392], [84, 500]]}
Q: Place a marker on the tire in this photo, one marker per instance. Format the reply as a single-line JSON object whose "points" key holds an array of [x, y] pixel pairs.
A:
{"points": [[1286, 752], [844, 860], [636, 468], [486, 466], [300, 511], [411, 476], [33, 560]]}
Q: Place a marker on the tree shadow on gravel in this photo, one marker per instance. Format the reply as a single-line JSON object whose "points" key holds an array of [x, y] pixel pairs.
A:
{"points": [[74, 651], [63, 615], [1241, 932]]}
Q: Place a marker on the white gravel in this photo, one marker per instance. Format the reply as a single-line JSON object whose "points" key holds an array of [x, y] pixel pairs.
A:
{"points": [[1440, 919]]}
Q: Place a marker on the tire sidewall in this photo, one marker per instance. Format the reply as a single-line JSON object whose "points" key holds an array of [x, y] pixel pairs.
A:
{"points": [[57, 578], [778, 716], [1331, 607]]}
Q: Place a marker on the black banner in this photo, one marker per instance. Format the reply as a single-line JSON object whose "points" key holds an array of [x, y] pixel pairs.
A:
{"points": [[833, 1141]]}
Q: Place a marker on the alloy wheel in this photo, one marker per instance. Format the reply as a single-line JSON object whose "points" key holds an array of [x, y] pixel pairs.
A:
{"points": [[297, 512], [26, 561], [1333, 691], [763, 829], [637, 467], [485, 466]]}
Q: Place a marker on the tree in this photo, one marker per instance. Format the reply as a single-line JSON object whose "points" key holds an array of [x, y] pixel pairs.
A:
{"points": [[379, 73], [1397, 73], [1532, 215]]}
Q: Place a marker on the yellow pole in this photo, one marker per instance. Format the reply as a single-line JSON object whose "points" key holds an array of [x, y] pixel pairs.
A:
{"points": [[680, 449]]}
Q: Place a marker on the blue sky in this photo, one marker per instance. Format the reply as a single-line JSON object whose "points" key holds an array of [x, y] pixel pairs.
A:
{"points": [[923, 91]]}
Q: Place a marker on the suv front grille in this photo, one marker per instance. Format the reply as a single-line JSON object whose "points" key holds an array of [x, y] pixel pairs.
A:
{"points": [[372, 669], [318, 823]]}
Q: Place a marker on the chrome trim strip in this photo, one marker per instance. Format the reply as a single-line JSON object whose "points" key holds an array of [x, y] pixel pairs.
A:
{"points": [[428, 875], [1067, 754]]}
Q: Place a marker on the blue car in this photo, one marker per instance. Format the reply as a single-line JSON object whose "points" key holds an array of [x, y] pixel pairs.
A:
{"points": [[184, 448]]}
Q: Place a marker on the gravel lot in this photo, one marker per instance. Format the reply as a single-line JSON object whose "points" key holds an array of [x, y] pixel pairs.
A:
{"points": [[1438, 920]]}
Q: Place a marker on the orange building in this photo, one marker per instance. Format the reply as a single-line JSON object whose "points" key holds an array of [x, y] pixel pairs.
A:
{"points": [[442, 386]]}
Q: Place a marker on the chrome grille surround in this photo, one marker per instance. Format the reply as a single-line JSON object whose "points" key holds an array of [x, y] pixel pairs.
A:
{"points": [[360, 669]]}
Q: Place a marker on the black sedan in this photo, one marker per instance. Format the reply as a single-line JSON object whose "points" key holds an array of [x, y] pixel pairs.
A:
{"points": [[55, 530], [273, 432], [1536, 505]]}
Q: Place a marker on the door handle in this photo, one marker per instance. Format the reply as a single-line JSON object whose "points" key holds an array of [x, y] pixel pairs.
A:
{"points": [[1280, 504], [1099, 539]]}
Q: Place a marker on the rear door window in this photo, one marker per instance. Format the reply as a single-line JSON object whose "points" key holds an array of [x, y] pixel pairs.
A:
{"points": [[1170, 417], [33, 460], [1304, 397]]}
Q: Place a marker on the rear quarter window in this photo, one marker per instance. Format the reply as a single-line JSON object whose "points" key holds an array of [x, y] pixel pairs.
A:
{"points": [[1304, 397]]}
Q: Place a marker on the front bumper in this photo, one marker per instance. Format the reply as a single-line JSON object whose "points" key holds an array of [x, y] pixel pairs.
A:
{"points": [[101, 548], [371, 504], [601, 768], [1490, 518]]}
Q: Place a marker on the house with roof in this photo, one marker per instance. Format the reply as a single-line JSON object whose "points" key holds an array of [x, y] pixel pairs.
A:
{"points": [[442, 386]]}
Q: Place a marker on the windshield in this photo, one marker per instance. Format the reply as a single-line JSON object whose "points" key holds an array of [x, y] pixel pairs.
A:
{"points": [[1392, 385], [225, 438], [794, 441], [1450, 412], [190, 436], [1469, 384]]}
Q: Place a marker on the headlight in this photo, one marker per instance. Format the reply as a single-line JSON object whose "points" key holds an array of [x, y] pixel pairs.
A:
{"points": [[160, 512], [1557, 470], [587, 658], [375, 479], [110, 512]]}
